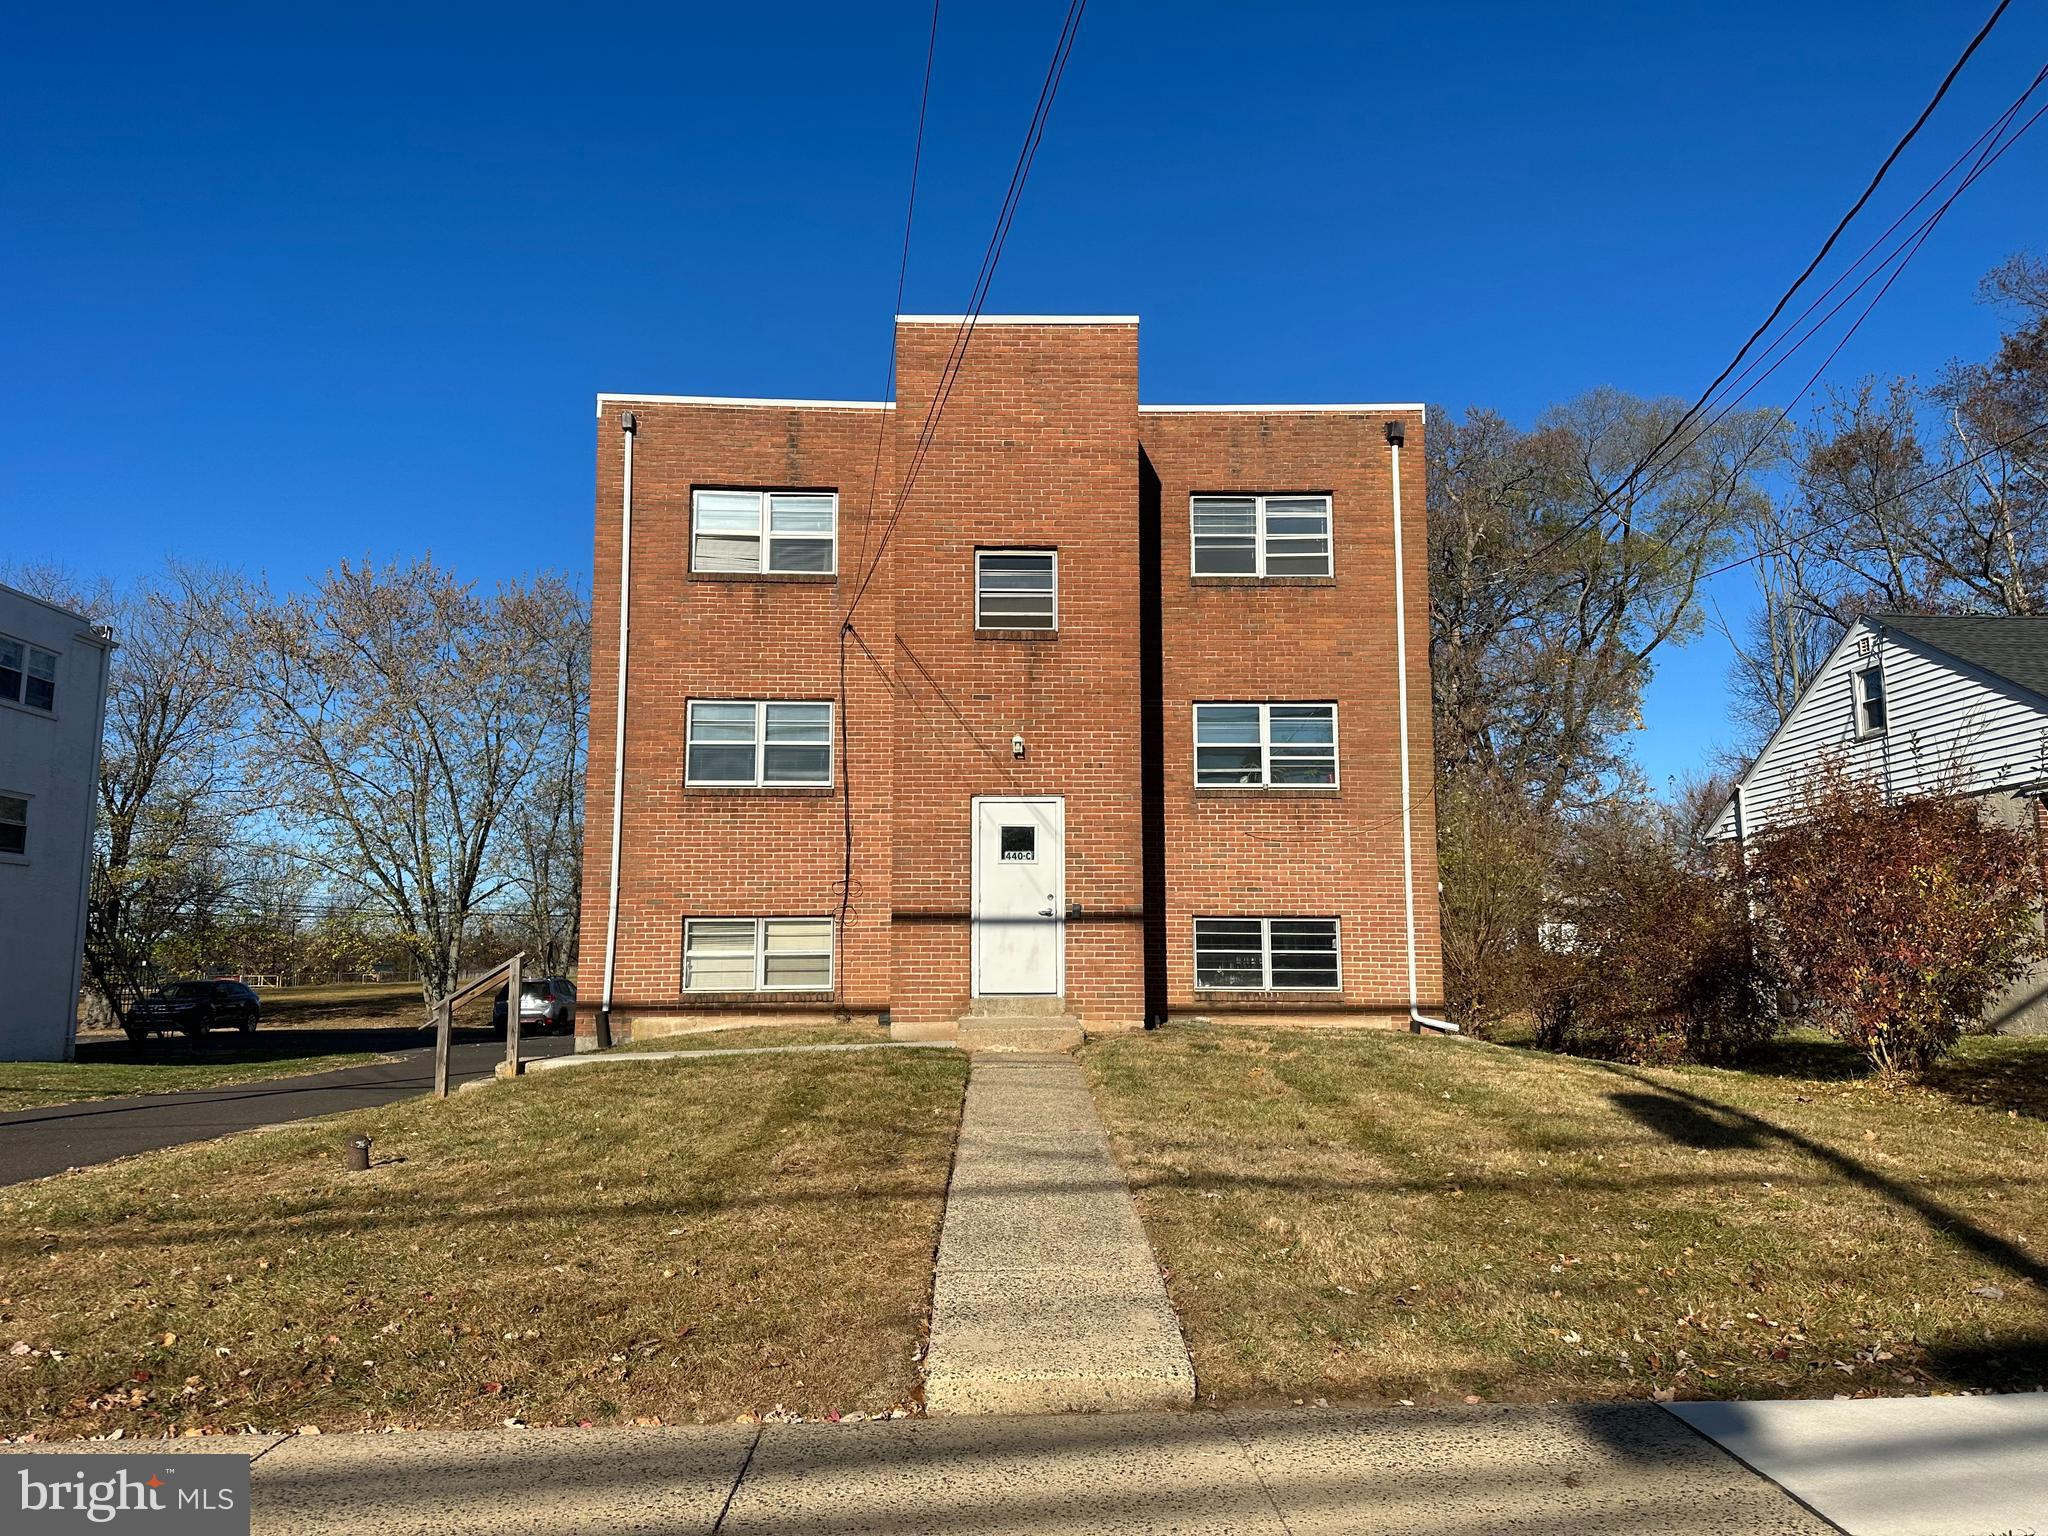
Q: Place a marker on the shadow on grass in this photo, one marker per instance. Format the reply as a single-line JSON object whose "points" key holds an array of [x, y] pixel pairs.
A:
{"points": [[1679, 1113]]}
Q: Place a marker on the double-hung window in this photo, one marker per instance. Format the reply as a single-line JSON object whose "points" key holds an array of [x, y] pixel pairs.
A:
{"points": [[1266, 954], [1261, 535], [1016, 589], [759, 742], [750, 533], [757, 954], [1277, 746], [1870, 715], [14, 825], [28, 674]]}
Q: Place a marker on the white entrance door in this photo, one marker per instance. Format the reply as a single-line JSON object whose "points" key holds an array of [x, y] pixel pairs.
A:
{"points": [[1020, 894]]}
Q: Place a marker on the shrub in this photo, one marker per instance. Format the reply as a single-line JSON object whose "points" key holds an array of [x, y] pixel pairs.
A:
{"points": [[1648, 956], [1493, 852], [1895, 924]]}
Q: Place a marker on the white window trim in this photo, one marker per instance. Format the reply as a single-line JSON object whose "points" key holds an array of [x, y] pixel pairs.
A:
{"points": [[1259, 500], [27, 800], [979, 554], [1266, 983], [1860, 704], [1265, 784], [29, 651], [830, 952], [761, 529], [759, 780]]}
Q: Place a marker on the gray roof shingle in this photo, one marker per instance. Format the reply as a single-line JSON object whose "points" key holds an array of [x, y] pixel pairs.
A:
{"points": [[2015, 649]]}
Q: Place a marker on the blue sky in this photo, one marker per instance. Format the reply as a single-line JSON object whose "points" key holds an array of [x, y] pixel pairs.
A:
{"points": [[287, 284]]}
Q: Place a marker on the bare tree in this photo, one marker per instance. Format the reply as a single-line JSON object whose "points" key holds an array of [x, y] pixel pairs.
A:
{"points": [[393, 716], [545, 858]]}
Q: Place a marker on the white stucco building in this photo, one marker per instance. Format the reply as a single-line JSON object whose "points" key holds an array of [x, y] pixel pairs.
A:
{"points": [[1921, 704], [53, 689]]}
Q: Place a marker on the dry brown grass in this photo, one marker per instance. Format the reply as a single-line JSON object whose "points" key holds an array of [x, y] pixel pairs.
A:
{"points": [[682, 1243], [755, 1035], [1379, 1216]]}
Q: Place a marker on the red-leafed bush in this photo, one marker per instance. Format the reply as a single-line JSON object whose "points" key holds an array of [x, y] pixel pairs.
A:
{"points": [[1894, 924]]}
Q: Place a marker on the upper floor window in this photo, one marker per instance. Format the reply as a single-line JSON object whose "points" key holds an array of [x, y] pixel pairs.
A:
{"points": [[28, 674], [1016, 589], [759, 742], [1261, 535], [755, 533], [14, 824], [1278, 746], [1870, 701]]}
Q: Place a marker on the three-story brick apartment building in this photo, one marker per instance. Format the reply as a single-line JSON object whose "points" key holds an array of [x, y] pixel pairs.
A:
{"points": [[1100, 719]]}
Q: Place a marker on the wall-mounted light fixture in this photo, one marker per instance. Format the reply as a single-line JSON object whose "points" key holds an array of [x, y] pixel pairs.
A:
{"points": [[1017, 746]]}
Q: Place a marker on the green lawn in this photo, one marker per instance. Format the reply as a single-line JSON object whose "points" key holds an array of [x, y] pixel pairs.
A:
{"points": [[646, 1242], [748, 1036], [1378, 1216]]}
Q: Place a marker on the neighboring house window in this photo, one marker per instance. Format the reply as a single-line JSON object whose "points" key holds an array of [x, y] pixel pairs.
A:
{"points": [[792, 533], [1281, 746], [1266, 954], [14, 825], [28, 674], [759, 742], [1261, 535], [1016, 589], [1870, 701], [757, 954]]}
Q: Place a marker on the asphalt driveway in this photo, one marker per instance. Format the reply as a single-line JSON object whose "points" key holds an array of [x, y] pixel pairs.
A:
{"points": [[54, 1137]]}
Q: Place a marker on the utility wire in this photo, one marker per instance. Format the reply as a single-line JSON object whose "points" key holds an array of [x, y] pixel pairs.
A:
{"points": [[991, 258], [1643, 464]]}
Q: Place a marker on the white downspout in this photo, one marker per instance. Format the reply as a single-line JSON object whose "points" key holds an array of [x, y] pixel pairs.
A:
{"points": [[629, 425], [1417, 1020]]}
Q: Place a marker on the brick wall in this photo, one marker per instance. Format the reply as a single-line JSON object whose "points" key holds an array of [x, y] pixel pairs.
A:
{"points": [[1299, 853], [697, 852], [1039, 447]]}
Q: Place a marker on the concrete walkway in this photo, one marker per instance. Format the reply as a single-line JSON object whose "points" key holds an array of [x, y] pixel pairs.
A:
{"points": [[1047, 1297], [1402, 1472], [1897, 1466], [54, 1137]]}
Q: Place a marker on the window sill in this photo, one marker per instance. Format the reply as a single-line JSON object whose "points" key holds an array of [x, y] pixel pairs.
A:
{"points": [[1026, 636], [15, 858], [1268, 789], [1223, 995], [1263, 581], [30, 709], [757, 998], [771, 578], [795, 791]]}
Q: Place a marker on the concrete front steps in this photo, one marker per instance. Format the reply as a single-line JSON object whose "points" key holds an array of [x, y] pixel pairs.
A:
{"points": [[1005, 1024]]}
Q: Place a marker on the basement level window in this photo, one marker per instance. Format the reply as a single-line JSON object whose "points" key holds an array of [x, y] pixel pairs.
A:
{"points": [[1266, 954], [752, 533], [757, 954], [1870, 713], [14, 825], [28, 674], [1260, 535]]}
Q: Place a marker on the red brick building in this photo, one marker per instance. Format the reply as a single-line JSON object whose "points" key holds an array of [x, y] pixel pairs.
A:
{"points": [[1100, 719]]}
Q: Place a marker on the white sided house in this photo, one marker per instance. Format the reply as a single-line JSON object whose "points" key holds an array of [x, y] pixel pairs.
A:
{"points": [[53, 686], [1921, 704]]}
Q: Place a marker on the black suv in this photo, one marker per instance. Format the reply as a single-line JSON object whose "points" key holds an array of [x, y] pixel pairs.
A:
{"points": [[194, 1007]]}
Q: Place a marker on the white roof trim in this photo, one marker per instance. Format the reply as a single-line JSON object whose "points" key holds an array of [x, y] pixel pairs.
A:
{"points": [[746, 400], [981, 320], [1276, 410]]}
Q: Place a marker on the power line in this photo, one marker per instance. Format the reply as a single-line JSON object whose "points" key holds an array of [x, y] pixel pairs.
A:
{"points": [[875, 473], [991, 258], [1629, 480]]}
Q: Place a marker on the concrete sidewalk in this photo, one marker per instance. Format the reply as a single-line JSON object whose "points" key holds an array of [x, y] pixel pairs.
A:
{"points": [[1047, 1298], [1556, 1471]]}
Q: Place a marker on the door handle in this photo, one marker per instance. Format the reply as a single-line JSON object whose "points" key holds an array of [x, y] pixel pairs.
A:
{"points": [[1045, 912]]}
